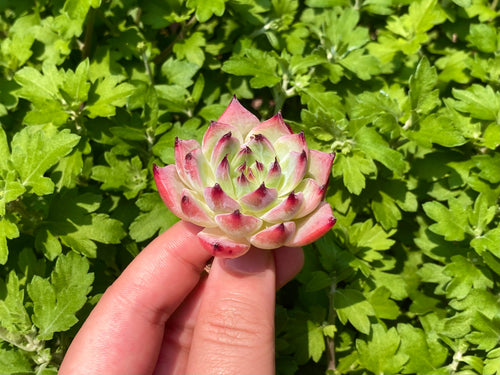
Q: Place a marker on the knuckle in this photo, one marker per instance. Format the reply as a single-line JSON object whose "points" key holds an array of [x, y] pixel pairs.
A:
{"points": [[237, 323]]}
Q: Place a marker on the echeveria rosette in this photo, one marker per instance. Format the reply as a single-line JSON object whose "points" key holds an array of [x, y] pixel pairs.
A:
{"points": [[249, 183]]}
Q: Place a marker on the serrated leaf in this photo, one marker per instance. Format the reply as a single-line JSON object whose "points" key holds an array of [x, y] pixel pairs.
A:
{"points": [[10, 190], [380, 353], [480, 101], [375, 146], [370, 236], [8, 230], [451, 222], [261, 66], [106, 95], [155, 217], [489, 241], [13, 314], [425, 355], [190, 48], [386, 211], [353, 168], [127, 176], [384, 307], [423, 96], [14, 361], [487, 334], [179, 72], [492, 363], [465, 276], [35, 149], [205, 9], [363, 65], [484, 37], [72, 220], [55, 305], [316, 341], [437, 129], [352, 306]]}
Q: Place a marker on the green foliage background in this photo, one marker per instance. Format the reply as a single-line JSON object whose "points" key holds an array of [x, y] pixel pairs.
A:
{"points": [[92, 92]]}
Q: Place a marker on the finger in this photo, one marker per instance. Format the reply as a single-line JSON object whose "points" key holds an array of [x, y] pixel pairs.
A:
{"points": [[234, 332], [178, 335], [289, 261], [179, 329], [124, 331]]}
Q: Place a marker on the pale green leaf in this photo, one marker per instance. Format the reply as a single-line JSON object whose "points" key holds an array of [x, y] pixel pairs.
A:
{"points": [[451, 222], [14, 361], [106, 95], [8, 230], [35, 149], [380, 353], [480, 101], [205, 9], [55, 302], [375, 146], [425, 355], [13, 314], [122, 175], [155, 217], [352, 306]]}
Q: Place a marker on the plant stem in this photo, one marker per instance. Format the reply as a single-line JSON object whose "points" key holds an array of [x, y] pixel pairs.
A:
{"points": [[89, 28], [332, 315]]}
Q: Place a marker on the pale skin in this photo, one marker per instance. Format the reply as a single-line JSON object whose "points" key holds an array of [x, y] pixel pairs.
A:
{"points": [[163, 315]]}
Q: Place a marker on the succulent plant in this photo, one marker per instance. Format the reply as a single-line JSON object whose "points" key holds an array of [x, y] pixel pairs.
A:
{"points": [[249, 183]]}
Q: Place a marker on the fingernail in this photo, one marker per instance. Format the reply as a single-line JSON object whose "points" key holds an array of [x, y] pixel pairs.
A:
{"points": [[254, 261]]}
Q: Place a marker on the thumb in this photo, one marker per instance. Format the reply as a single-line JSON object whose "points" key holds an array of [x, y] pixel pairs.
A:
{"points": [[234, 333]]}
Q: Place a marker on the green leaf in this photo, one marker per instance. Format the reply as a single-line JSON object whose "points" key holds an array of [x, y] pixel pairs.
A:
{"points": [[363, 65], [35, 149], [107, 94], [492, 363], [8, 230], [73, 220], [484, 37], [487, 335], [480, 101], [127, 176], [4, 150], [10, 190], [352, 306], [368, 235], [384, 307], [423, 97], [316, 341], [205, 9], [155, 217], [380, 353], [437, 129], [386, 211], [12, 311], [375, 146], [190, 48], [353, 167], [14, 361], [179, 72], [261, 66], [489, 241], [465, 276], [425, 354], [451, 222], [56, 302]]}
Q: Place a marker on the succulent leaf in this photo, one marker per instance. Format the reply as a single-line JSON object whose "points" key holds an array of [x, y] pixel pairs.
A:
{"points": [[249, 183]]}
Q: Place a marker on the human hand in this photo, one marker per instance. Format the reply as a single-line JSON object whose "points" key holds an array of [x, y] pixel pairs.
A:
{"points": [[161, 317]]}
